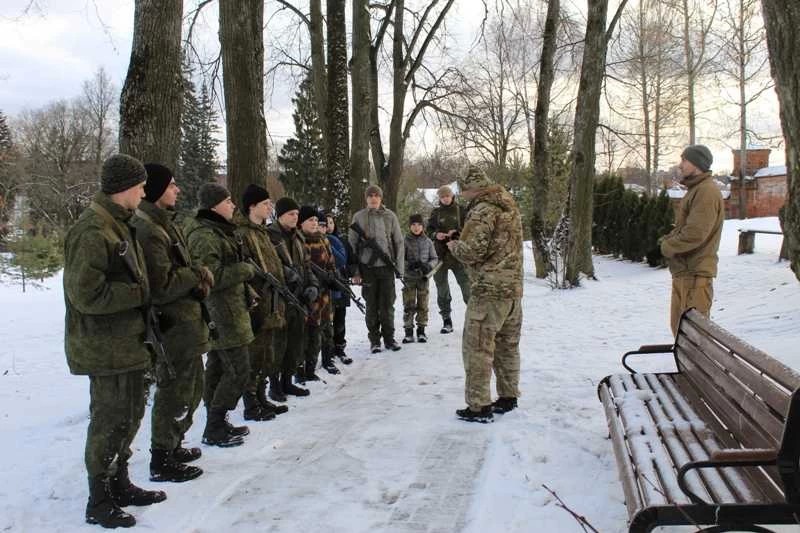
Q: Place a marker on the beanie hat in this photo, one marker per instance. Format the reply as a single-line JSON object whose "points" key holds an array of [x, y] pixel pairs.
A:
{"points": [[373, 189], [210, 194], [322, 217], [120, 173], [306, 212], [158, 179], [284, 205], [475, 179], [416, 218], [252, 195], [699, 155], [444, 190]]}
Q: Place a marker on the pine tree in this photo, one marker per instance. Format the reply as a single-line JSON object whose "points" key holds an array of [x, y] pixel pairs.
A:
{"points": [[6, 186], [5, 136], [198, 161], [302, 156]]}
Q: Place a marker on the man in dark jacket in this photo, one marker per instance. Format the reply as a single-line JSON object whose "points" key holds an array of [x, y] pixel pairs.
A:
{"points": [[178, 288], [213, 243], [106, 295]]}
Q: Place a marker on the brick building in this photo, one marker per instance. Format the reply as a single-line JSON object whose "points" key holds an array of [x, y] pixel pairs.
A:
{"points": [[765, 187]]}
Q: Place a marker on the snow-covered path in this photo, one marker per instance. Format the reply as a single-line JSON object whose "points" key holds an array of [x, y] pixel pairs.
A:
{"points": [[377, 448]]}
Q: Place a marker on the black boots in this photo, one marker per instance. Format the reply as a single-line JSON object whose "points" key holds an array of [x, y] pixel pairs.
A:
{"points": [[186, 455], [276, 388], [483, 415], [421, 337], [447, 326], [327, 361], [306, 372], [392, 345], [266, 405], [409, 336], [102, 510], [375, 347], [253, 409], [125, 493], [291, 388], [504, 405], [164, 467], [217, 431], [339, 352]]}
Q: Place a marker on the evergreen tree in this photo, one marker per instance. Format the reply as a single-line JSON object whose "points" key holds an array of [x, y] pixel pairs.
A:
{"points": [[6, 186], [198, 161], [302, 156]]}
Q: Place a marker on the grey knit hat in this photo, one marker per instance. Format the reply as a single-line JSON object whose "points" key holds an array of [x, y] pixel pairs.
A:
{"points": [[210, 194], [699, 155], [475, 179], [120, 173], [373, 189]]}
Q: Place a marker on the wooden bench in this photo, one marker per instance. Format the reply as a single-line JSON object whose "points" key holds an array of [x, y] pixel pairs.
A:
{"points": [[747, 241], [716, 443]]}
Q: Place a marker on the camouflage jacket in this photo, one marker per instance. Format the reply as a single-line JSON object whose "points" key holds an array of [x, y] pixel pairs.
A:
{"points": [[172, 278], [104, 326], [443, 219], [291, 249], [271, 310], [419, 249], [213, 243], [491, 245], [320, 253]]}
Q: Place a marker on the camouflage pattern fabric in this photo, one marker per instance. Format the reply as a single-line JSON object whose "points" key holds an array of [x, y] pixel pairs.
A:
{"points": [[227, 373], [175, 402], [263, 360], [415, 303], [289, 342]]}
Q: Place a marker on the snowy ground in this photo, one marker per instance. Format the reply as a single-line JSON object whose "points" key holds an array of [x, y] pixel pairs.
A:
{"points": [[377, 448]]}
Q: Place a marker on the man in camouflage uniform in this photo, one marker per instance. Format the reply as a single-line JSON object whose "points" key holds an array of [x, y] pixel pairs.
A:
{"points": [[290, 246], [178, 288], [106, 295], [267, 318], [381, 225], [213, 243], [491, 248]]}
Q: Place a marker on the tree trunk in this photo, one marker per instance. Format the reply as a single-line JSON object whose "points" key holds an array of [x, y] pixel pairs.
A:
{"points": [[360, 77], [318, 71], [242, 44], [152, 96], [399, 89], [782, 20], [740, 38], [691, 78], [541, 161], [338, 193]]}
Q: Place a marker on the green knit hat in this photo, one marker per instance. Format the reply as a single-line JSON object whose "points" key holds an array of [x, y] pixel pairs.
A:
{"points": [[210, 194], [699, 155], [121, 172]]}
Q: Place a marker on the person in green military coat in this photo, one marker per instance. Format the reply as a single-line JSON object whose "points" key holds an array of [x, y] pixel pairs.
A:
{"points": [[268, 317], [178, 288], [213, 243], [106, 296]]}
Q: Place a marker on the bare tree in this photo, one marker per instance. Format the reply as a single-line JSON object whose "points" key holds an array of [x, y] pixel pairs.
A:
{"points": [[359, 75], [782, 19], [99, 95], [152, 96], [338, 191], [319, 77]]}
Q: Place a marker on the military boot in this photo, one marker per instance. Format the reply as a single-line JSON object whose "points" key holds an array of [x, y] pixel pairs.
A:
{"points": [[327, 361], [276, 388], [307, 372], [125, 493], [421, 337], [253, 410], [291, 388], [186, 455], [339, 352], [503, 405], [216, 432], [447, 326], [392, 345], [266, 405], [101, 508], [409, 336], [164, 467], [482, 415]]}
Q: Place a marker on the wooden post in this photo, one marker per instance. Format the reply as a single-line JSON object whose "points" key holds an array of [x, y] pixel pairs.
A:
{"points": [[747, 242]]}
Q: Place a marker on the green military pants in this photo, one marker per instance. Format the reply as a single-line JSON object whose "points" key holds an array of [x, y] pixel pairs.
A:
{"points": [[312, 346], [491, 342], [379, 296], [290, 342], [263, 362], [443, 297], [116, 409], [175, 402], [415, 302], [227, 372]]}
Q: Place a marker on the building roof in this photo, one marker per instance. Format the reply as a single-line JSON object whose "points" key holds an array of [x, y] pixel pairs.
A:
{"points": [[679, 191], [778, 170], [430, 194]]}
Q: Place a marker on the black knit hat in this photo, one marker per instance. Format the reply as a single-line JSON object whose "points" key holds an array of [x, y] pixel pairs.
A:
{"points": [[322, 217], [158, 179], [699, 155], [416, 218], [284, 205], [120, 173], [306, 212], [253, 194], [210, 194]]}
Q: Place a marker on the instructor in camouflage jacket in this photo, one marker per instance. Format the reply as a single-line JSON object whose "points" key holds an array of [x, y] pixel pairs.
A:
{"points": [[106, 293], [491, 249]]}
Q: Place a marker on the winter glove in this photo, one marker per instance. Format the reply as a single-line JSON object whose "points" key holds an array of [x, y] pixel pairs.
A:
{"points": [[424, 268], [200, 292], [310, 294], [250, 271], [291, 276]]}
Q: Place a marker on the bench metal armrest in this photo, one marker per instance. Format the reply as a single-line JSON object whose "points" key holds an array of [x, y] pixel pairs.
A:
{"points": [[647, 349], [726, 458]]}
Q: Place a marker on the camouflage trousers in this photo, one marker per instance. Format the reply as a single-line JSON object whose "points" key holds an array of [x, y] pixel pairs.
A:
{"points": [[263, 362], [227, 372], [116, 409], [312, 346], [491, 342], [379, 295], [289, 342], [175, 402], [688, 292], [443, 297], [415, 302]]}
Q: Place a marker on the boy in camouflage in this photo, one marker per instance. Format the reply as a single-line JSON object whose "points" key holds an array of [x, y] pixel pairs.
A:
{"points": [[420, 257]]}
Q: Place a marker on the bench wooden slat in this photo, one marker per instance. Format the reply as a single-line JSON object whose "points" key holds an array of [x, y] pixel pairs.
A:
{"points": [[759, 412]]}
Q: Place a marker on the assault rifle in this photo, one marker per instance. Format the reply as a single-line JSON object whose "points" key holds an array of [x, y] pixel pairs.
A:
{"points": [[278, 287], [153, 337], [434, 270], [333, 280], [376, 249]]}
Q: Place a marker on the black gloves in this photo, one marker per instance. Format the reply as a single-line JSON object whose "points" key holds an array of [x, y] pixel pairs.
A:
{"points": [[310, 294]]}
